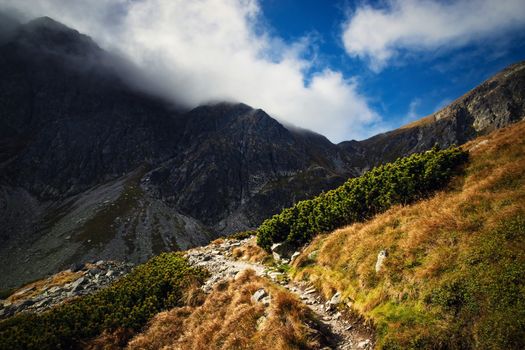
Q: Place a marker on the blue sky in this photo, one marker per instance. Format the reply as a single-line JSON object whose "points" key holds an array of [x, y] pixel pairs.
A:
{"points": [[345, 69], [410, 88]]}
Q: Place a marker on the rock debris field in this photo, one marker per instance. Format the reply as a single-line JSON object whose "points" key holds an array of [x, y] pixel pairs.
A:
{"points": [[80, 279]]}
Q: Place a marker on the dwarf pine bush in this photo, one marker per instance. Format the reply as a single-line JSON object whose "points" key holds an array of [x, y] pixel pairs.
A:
{"points": [[128, 304], [406, 180]]}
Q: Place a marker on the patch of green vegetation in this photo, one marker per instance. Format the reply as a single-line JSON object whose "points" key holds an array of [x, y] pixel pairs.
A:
{"points": [[159, 284], [5, 293], [101, 228], [401, 182]]}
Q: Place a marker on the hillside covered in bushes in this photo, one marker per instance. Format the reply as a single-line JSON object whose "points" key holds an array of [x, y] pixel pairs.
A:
{"points": [[404, 181]]}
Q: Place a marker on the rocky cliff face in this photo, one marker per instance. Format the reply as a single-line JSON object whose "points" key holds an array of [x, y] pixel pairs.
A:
{"points": [[496, 103], [91, 168]]}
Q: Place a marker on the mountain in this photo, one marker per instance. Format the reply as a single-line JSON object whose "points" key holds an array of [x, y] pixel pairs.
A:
{"points": [[93, 167]]}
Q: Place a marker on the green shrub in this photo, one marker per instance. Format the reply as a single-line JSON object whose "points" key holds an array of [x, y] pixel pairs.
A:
{"points": [[401, 182], [129, 303]]}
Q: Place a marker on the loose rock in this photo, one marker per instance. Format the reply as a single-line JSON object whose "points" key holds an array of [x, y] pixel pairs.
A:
{"points": [[258, 295]]}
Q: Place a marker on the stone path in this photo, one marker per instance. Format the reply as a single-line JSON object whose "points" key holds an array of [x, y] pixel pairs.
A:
{"points": [[346, 334]]}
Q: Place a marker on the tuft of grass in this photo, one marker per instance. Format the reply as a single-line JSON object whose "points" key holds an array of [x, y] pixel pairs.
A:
{"points": [[454, 277], [250, 252]]}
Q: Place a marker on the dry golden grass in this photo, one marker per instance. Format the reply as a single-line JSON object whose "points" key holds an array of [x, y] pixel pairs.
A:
{"points": [[218, 241], [229, 319], [420, 122], [32, 289], [431, 245], [250, 252]]}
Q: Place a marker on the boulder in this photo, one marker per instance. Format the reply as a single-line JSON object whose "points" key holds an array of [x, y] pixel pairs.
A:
{"points": [[77, 285], [42, 303], [294, 256], [365, 344], [53, 289], [336, 299], [282, 250]]}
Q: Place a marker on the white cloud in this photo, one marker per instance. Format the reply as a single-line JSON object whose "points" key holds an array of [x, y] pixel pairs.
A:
{"points": [[379, 34], [209, 50], [412, 110]]}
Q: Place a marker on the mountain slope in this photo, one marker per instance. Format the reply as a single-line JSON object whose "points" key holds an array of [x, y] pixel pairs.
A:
{"points": [[496, 103]]}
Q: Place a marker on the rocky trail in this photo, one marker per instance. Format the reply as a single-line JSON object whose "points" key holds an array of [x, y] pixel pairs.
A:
{"points": [[345, 332]]}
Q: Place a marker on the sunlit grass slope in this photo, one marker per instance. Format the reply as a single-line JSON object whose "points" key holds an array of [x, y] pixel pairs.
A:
{"points": [[454, 276]]}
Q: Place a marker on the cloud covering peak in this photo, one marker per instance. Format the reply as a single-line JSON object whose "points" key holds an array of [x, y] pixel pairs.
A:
{"points": [[210, 50]]}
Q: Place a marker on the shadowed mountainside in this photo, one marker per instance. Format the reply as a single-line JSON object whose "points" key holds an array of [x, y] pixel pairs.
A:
{"points": [[91, 168]]}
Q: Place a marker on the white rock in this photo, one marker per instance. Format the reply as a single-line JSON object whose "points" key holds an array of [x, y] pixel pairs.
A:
{"points": [[381, 259], [294, 256], [309, 290], [75, 286], [336, 299], [363, 344]]}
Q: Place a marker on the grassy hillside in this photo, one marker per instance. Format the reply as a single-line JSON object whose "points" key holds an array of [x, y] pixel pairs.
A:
{"points": [[454, 275]]}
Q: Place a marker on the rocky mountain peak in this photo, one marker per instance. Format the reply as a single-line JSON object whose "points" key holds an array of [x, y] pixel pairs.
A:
{"points": [[46, 33]]}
